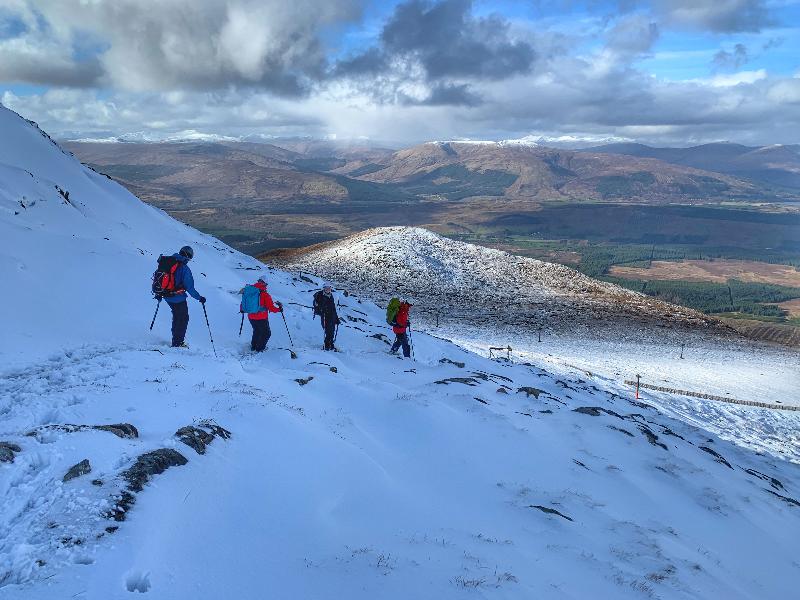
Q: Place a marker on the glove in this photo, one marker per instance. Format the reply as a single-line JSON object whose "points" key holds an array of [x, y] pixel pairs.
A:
{"points": [[202, 299], [280, 306], [338, 320]]}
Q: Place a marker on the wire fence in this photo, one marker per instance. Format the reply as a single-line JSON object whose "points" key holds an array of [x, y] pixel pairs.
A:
{"points": [[669, 390]]}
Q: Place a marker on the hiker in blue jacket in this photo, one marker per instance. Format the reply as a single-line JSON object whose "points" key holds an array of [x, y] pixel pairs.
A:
{"points": [[184, 284]]}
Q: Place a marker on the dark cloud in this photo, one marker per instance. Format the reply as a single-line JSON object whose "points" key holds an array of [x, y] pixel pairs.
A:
{"points": [[632, 35], [733, 60], [20, 65], [147, 45], [447, 94], [720, 16], [446, 41]]}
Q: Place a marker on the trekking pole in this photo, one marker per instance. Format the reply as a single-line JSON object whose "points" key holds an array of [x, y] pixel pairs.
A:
{"points": [[242, 325], [411, 343], [153, 322], [209, 329], [285, 324]]}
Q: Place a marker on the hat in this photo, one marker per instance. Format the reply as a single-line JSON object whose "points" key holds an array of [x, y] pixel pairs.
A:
{"points": [[327, 284], [187, 252], [262, 277]]}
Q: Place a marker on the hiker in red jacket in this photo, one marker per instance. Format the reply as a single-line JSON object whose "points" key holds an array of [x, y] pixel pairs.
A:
{"points": [[400, 327], [260, 320]]}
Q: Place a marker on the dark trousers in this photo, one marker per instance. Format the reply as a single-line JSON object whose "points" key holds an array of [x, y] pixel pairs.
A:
{"points": [[261, 334], [402, 340], [180, 321], [329, 326]]}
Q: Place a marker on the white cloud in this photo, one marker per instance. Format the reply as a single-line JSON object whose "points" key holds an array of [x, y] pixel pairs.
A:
{"points": [[739, 78]]}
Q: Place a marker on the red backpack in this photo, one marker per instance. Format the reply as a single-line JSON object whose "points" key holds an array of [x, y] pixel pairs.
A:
{"points": [[164, 284]]}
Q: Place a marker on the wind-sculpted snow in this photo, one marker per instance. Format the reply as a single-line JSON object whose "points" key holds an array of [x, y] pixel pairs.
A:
{"points": [[448, 476]]}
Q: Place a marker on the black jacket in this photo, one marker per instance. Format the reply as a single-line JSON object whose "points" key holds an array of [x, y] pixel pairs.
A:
{"points": [[325, 307]]}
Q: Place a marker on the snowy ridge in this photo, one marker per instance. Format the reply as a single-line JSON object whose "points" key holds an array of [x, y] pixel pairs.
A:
{"points": [[346, 475]]}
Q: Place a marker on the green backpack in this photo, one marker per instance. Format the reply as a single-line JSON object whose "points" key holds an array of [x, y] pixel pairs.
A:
{"points": [[392, 309]]}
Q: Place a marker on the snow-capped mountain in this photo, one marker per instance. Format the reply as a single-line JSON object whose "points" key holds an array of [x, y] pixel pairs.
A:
{"points": [[457, 281], [127, 466]]}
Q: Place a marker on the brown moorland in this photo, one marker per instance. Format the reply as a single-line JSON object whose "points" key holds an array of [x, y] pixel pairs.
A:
{"points": [[716, 271]]}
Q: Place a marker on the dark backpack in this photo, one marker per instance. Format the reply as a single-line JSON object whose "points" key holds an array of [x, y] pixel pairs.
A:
{"points": [[164, 284], [318, 303]]}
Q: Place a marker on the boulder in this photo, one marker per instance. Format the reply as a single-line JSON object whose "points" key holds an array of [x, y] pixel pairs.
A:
{"points": [[82, 468], [7, 451], [149, 464]]}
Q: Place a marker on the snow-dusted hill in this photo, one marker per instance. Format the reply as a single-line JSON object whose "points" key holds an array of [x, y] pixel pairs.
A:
{"points": [[461, 281], [345, 475]]}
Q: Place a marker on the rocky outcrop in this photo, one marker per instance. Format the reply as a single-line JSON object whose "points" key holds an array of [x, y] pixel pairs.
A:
{"points": [[82, 468], [149, 464], [200, 436], [121, 430], [8, 451]]}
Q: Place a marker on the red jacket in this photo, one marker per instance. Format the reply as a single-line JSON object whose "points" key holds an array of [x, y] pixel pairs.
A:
{"points": [[264, 300], [402, 318]]}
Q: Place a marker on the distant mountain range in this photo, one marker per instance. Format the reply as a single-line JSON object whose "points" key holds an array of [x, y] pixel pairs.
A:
{"points": [[774, 166], [458, 170], [293, 192]]}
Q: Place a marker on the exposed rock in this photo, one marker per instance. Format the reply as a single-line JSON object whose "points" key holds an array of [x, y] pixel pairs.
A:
{"points": [[82, 468], [530, 391], [502, 390], [7, 451], [97, 482], [625, 431], [149, 464], [717, 456], [786, 499], [771, 480], [305, 381], [458, 364], [218, 431], [122, 505], [652, 437], [470, 381], [195, 438], [550, 511], [122, 430], [200, 436], [596, 411]]}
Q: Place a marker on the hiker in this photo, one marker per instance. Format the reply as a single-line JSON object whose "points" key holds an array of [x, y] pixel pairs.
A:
{"points": [[257, 304], [400, 325], [176, 284], [325, 307]]}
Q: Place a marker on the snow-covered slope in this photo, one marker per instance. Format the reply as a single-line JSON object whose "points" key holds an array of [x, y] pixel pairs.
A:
{"points": [[460, 280], [347, 475]]}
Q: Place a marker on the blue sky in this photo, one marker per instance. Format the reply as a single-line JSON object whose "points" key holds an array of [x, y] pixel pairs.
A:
{"points": [[665, 71]]}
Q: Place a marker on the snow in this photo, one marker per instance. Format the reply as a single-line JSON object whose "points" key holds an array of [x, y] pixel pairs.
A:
{"points": [[378, 478]]}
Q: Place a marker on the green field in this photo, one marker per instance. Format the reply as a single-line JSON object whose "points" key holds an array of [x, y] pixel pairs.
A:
{"points": [[593, 254]]}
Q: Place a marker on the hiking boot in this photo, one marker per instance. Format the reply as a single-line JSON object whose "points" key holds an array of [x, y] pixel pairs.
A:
{"points": [[181, 345]]}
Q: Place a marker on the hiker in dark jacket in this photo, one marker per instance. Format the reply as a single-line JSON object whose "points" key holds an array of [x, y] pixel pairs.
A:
{"points": [[184, 283], [400, 328], [325, 307], [260, 320]]}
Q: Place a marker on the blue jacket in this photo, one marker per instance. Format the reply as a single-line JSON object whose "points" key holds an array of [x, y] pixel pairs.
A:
{"points": [[183, 279]]}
